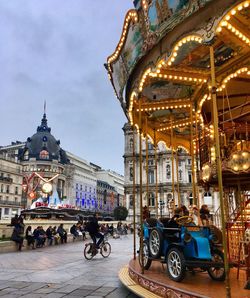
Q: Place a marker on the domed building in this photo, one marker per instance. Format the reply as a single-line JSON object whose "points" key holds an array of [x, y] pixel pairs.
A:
{"points": [[45, 167], [43, 146]]}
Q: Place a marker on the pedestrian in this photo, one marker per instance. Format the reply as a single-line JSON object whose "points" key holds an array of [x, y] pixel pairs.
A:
{"points": [[18, 233], [30, 237]]}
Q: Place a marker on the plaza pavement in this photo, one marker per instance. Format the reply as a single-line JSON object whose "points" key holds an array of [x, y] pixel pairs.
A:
{"points": [[62, 271]]}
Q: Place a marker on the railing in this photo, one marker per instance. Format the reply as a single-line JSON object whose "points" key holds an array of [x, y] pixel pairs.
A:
{"points": [[12, 203], [6, 179]]}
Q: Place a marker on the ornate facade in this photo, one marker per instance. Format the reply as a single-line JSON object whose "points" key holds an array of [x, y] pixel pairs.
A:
{"points": [[166, 201], [73, 181], [10, 186]]}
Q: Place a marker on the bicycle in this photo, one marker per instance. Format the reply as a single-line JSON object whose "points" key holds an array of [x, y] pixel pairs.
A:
{"points": [[90, 249]]}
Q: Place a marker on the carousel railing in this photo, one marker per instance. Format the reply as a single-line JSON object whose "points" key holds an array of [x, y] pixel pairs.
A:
{"points": [[236, 226]]}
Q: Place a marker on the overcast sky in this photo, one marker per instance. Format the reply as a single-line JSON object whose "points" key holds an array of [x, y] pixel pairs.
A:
{"points": [[54, 50]]}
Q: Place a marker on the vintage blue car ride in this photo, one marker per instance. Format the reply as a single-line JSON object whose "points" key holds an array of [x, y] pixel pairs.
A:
{"points": [[182, 246]]}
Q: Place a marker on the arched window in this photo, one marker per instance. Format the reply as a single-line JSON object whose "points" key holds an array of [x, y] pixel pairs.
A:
{"points": [[44, 154]]}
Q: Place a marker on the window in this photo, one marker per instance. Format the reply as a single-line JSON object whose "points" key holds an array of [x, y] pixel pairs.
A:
{"points": [[151, 199], [85, 188], [168, 171], [26, 155], [131, 174], [6, 211], [180, 174], [76, 185], [151, 177], [16, 200], [90, 189], [179, 163], [7, 188], [150, 146], [1, 187], [16, 190], [189, 177], [44, 154], [131, 144], [131, 201], [77, 195], [189, 161], [81, 187]]}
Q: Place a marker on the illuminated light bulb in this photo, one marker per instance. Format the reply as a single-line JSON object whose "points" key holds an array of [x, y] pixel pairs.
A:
{"points": [[240, 7], [236, 168], [233, 12], [219, 29], [245, 166], [246, 4], [224, 23], [228, 17]]}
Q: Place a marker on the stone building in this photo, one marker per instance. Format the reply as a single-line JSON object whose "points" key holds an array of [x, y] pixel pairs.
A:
{"points": [[164, 176], [69, 179], [10, 185], [82, 183]]}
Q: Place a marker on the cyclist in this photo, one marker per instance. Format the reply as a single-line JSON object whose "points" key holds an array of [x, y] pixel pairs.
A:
{"points": [[93, 229]]}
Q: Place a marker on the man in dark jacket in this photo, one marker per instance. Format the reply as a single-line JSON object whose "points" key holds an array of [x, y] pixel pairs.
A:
{"points": [[93, 229]]}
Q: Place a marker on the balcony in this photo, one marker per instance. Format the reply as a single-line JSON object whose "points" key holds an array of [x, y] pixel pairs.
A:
{"points": [[6, 180], [12, 203]]}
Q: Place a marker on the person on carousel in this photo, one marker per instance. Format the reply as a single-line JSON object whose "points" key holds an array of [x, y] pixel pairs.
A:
{"points": [[177, 214], [195, 215]]}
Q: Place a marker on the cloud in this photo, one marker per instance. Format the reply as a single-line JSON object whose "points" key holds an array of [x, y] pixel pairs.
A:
{"points": [[55, 50]]}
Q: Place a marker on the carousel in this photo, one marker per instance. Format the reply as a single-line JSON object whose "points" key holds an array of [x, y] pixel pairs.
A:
{"points": [[181, 72]]}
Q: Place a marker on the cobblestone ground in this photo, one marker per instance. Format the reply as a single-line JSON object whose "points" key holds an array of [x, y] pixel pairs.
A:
{"points": [[62, 271]]}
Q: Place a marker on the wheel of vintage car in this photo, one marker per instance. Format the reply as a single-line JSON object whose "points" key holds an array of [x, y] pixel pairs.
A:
{"points": [[155, 243], [176, 264], [146, 260], [217, 273]]}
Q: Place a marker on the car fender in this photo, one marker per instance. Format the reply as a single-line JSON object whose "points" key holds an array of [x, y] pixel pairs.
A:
{"points": [[180, 246]]}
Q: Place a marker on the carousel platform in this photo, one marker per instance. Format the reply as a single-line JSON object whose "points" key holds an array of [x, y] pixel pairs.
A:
{"points": [[155, 283]]}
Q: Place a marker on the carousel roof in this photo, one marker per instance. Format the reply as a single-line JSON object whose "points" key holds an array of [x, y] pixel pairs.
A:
{"points": [[163, 62]]}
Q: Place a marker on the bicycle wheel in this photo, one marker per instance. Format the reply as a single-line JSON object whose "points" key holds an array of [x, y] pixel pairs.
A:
{"points": [[88, 251], [105, 249]]}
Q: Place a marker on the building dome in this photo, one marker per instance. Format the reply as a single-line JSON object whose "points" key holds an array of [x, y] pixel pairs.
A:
{"points": [[43, 146]]}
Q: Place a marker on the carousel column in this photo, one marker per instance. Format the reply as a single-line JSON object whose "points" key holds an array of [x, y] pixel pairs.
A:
{"points": [[172, 159], [156, 177], [192, 156], [141, 215], [147, 189], [197, 159], [177, 176], [134, 163], [219, 170]]}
